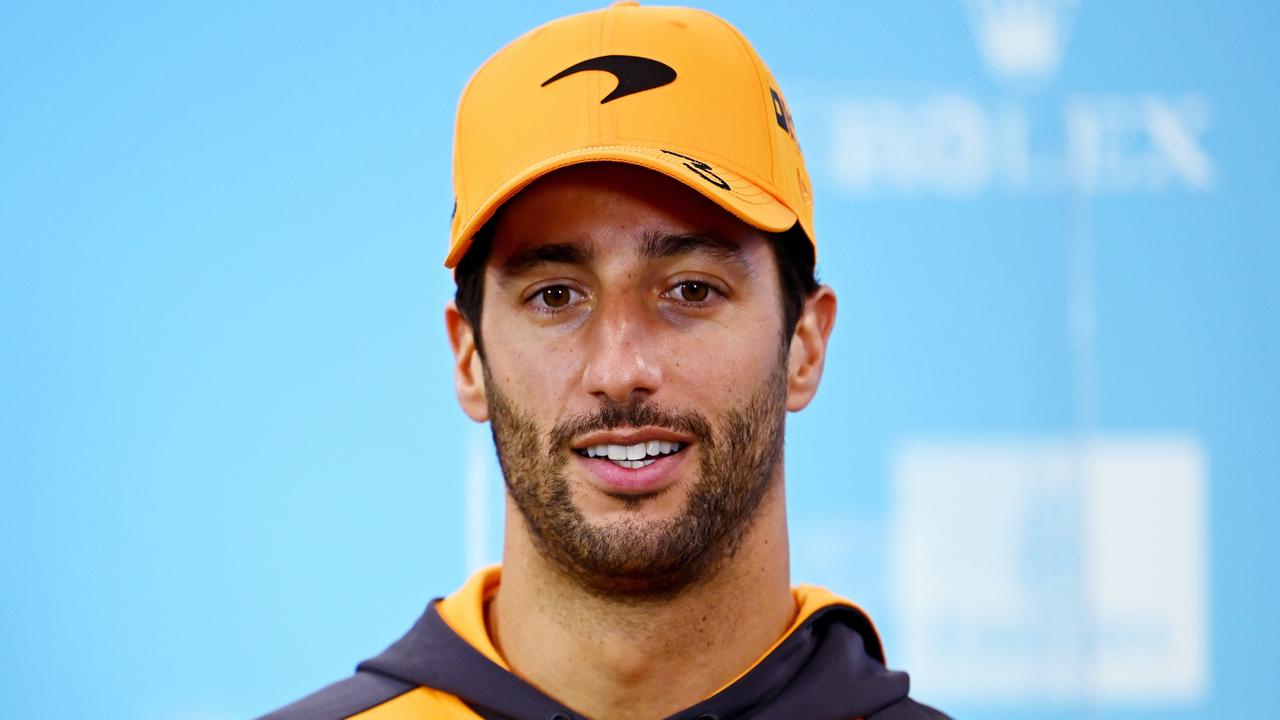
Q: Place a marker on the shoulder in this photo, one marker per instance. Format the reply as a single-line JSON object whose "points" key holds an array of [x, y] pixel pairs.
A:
{"points": [[373, 696], [908, 709], [343, 699]]}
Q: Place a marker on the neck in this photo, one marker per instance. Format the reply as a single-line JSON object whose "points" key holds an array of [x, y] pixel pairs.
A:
{"points": [[636, 660]]}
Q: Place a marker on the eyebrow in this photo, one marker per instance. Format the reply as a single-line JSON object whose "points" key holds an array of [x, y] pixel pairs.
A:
{"points": [[551, 253], [656, 245]]}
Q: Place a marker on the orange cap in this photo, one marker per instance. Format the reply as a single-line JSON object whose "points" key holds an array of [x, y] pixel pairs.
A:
{"points": [[675, 90]]}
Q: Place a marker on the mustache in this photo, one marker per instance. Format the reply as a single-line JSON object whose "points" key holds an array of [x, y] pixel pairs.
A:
{"points": [[638, 412]]}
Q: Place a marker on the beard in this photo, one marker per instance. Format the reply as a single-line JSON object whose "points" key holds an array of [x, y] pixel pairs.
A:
{"points": [[633, 557]]}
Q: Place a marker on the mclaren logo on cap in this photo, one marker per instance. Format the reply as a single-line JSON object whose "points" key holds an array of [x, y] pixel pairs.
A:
{"points": [[635, 74]]}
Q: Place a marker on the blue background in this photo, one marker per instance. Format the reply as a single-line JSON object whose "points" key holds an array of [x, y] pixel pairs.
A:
{"points": [[231, 464]]}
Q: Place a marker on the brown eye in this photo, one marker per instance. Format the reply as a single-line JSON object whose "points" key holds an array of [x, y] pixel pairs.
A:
{"points": [[694, 291], [556, 296]]}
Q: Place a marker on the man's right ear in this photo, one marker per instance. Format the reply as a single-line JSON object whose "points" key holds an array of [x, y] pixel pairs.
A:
{"points": [[468, 366]]}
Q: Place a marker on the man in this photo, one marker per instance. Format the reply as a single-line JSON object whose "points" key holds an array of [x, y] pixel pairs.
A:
{"points": [[635, 314]]}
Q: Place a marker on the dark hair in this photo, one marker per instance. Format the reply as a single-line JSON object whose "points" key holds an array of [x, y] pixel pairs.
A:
{"points": [[792, 253]]}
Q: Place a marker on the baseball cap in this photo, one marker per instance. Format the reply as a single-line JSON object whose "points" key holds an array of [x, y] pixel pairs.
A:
{"points": [[676, 90]]}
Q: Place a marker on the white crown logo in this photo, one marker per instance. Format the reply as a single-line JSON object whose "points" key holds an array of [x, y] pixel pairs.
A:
{"points": [[1021, 40]]}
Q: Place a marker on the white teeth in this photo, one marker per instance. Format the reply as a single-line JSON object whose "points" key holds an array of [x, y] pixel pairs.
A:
{"points": [[633, 464], [637, 455]]}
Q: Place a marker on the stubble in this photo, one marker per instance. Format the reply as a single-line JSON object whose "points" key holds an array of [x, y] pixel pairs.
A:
{"points": [[631, 557]]}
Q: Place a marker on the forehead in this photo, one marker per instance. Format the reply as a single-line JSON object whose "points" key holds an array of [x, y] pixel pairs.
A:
{"points": [[613, 206]]}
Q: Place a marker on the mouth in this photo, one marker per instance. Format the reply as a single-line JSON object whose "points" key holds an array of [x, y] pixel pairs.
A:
{"points": [[632, 456], [633, 461]]}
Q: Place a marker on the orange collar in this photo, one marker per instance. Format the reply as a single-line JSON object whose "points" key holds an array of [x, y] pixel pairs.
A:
{"points": [[464, 612]]}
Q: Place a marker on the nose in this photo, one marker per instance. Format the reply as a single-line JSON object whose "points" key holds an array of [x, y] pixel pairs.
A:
{"points": [[623, 357]]}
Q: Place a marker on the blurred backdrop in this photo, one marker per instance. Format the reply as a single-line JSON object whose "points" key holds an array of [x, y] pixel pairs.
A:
{"points": [[1044, 456]]}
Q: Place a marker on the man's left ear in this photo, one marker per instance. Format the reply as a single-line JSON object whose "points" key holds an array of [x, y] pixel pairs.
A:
{"points": [[809, 347]]}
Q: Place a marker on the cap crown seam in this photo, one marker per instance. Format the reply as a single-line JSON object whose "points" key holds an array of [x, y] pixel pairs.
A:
{"points": [[756, 62]]}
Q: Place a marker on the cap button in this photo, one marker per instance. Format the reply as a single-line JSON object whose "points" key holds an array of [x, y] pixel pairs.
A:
{"points": [[625, 3]]}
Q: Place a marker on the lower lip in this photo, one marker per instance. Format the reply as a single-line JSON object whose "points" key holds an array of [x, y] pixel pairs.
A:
{"points": [[617, 480]]}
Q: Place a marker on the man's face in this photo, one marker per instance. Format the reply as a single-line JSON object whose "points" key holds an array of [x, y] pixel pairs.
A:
{"points": [[635, 373]]}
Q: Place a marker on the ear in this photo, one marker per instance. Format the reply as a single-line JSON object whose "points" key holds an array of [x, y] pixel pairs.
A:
{"points": [[468, 366], [809, 347]]}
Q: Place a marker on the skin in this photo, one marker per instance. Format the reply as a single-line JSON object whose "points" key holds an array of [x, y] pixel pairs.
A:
{"points": [[633, 330]]}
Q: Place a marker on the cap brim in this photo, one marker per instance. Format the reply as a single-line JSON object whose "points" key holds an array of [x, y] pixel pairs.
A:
{"points": [[737, 195]]}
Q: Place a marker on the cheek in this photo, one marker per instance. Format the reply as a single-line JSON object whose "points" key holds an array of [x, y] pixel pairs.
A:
{"points": [[531, 365], [723, 364]]}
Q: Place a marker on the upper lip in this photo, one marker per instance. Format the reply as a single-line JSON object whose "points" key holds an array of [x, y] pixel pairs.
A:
{"points": [[629, 436]]}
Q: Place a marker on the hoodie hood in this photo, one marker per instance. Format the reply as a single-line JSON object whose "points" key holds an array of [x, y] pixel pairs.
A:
{"points": [[830, 666]]}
